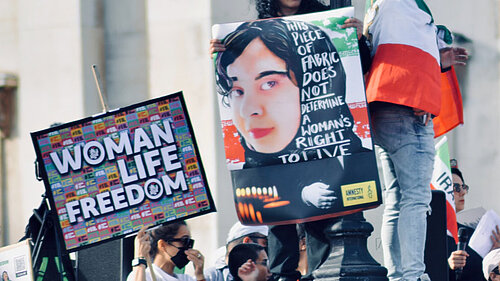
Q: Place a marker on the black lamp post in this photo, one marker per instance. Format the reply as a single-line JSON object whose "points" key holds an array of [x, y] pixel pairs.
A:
{"points": [[349, 259]]}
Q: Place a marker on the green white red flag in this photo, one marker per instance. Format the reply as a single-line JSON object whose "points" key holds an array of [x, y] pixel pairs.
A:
{"points": [[451, 114], [442, 180]]}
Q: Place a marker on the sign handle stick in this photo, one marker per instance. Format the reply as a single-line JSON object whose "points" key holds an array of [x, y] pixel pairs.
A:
{"points": [[102, 95], [148, 260]]}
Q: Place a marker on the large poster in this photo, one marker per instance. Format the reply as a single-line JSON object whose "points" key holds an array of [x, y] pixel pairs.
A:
{"points": [[294, 118], [15, 262], [108, 175]]}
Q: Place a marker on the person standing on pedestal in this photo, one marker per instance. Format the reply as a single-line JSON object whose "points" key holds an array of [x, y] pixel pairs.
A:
{"points": [[404, 92]]}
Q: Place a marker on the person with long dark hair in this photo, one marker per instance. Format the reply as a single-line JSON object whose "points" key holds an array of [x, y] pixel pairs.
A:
{"points": [[168, 246]]}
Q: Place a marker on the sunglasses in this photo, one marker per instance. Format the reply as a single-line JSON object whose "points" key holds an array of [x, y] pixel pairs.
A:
{"points": [[266, 263], [255, 237], [495, 270], [458, 187], [185, 241]]}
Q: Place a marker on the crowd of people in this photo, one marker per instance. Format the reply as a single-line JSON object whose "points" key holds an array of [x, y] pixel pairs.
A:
{"points": [[245, 255], [403, 72]]}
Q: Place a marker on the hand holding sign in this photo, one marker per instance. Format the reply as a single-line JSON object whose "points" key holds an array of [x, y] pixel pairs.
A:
{"points": [[354, 22], [495, 238], [142, 246]]}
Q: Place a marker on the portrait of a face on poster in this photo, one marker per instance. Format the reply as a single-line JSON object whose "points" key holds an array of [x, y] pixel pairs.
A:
{"points": [[15, 262], [294, 118], [108, 175]]}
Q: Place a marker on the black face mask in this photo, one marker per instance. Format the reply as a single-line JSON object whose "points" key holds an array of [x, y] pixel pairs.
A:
{"points": [[180, 259]]}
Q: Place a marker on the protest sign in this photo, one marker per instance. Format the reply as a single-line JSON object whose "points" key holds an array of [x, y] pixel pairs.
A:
{"points": [[108, 175], [294, 118], [15, 262]]}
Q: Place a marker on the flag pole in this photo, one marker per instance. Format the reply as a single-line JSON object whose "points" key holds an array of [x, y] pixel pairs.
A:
{"points": [[102, 94], [148, 261]]}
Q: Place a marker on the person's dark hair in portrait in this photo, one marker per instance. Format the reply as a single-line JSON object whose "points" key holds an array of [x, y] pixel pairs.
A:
{"points": [[271, 8]]}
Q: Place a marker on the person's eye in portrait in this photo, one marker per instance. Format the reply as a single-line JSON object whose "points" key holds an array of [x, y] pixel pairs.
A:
{"points": [[264, 101]]}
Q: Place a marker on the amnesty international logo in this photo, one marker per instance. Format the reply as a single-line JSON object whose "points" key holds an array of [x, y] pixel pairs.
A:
{"points": [[359, 193]]}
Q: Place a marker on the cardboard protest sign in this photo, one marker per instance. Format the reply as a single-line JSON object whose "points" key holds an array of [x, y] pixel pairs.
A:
{"points": [[108, 175], [15, 262], [294, 118]]}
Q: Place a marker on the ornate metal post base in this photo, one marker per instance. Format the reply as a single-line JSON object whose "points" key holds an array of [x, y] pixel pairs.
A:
{"points": [[349, 259]]}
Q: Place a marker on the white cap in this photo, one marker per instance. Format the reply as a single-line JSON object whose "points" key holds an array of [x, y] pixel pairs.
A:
{"points": [[238, 230], [490, 261]]}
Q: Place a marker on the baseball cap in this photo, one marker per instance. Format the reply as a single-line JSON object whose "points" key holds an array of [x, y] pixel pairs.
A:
{"points": [[238, 230], [490, 261]]}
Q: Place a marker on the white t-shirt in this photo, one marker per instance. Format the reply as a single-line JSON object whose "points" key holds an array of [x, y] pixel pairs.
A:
{"points": [[161, 275]]}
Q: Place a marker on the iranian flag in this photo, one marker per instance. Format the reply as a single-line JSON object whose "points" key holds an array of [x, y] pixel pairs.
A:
{"points": [[406, 62], [451, 114], [442, 180]]}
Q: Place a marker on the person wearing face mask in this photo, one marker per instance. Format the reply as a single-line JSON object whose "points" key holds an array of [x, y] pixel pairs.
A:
{"points": [[168, 246], [468, 260]]}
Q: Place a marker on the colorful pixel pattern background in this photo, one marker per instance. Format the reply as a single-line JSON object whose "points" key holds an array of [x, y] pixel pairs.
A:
{"points": [[91, 180]]}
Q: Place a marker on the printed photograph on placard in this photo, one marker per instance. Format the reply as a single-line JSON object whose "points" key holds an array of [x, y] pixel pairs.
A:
{"points": [[294, 118], [15, 262], [109, 175]]}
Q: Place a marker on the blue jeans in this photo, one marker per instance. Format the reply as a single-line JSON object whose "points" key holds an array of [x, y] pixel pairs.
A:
{"points": [[406, 150]]}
